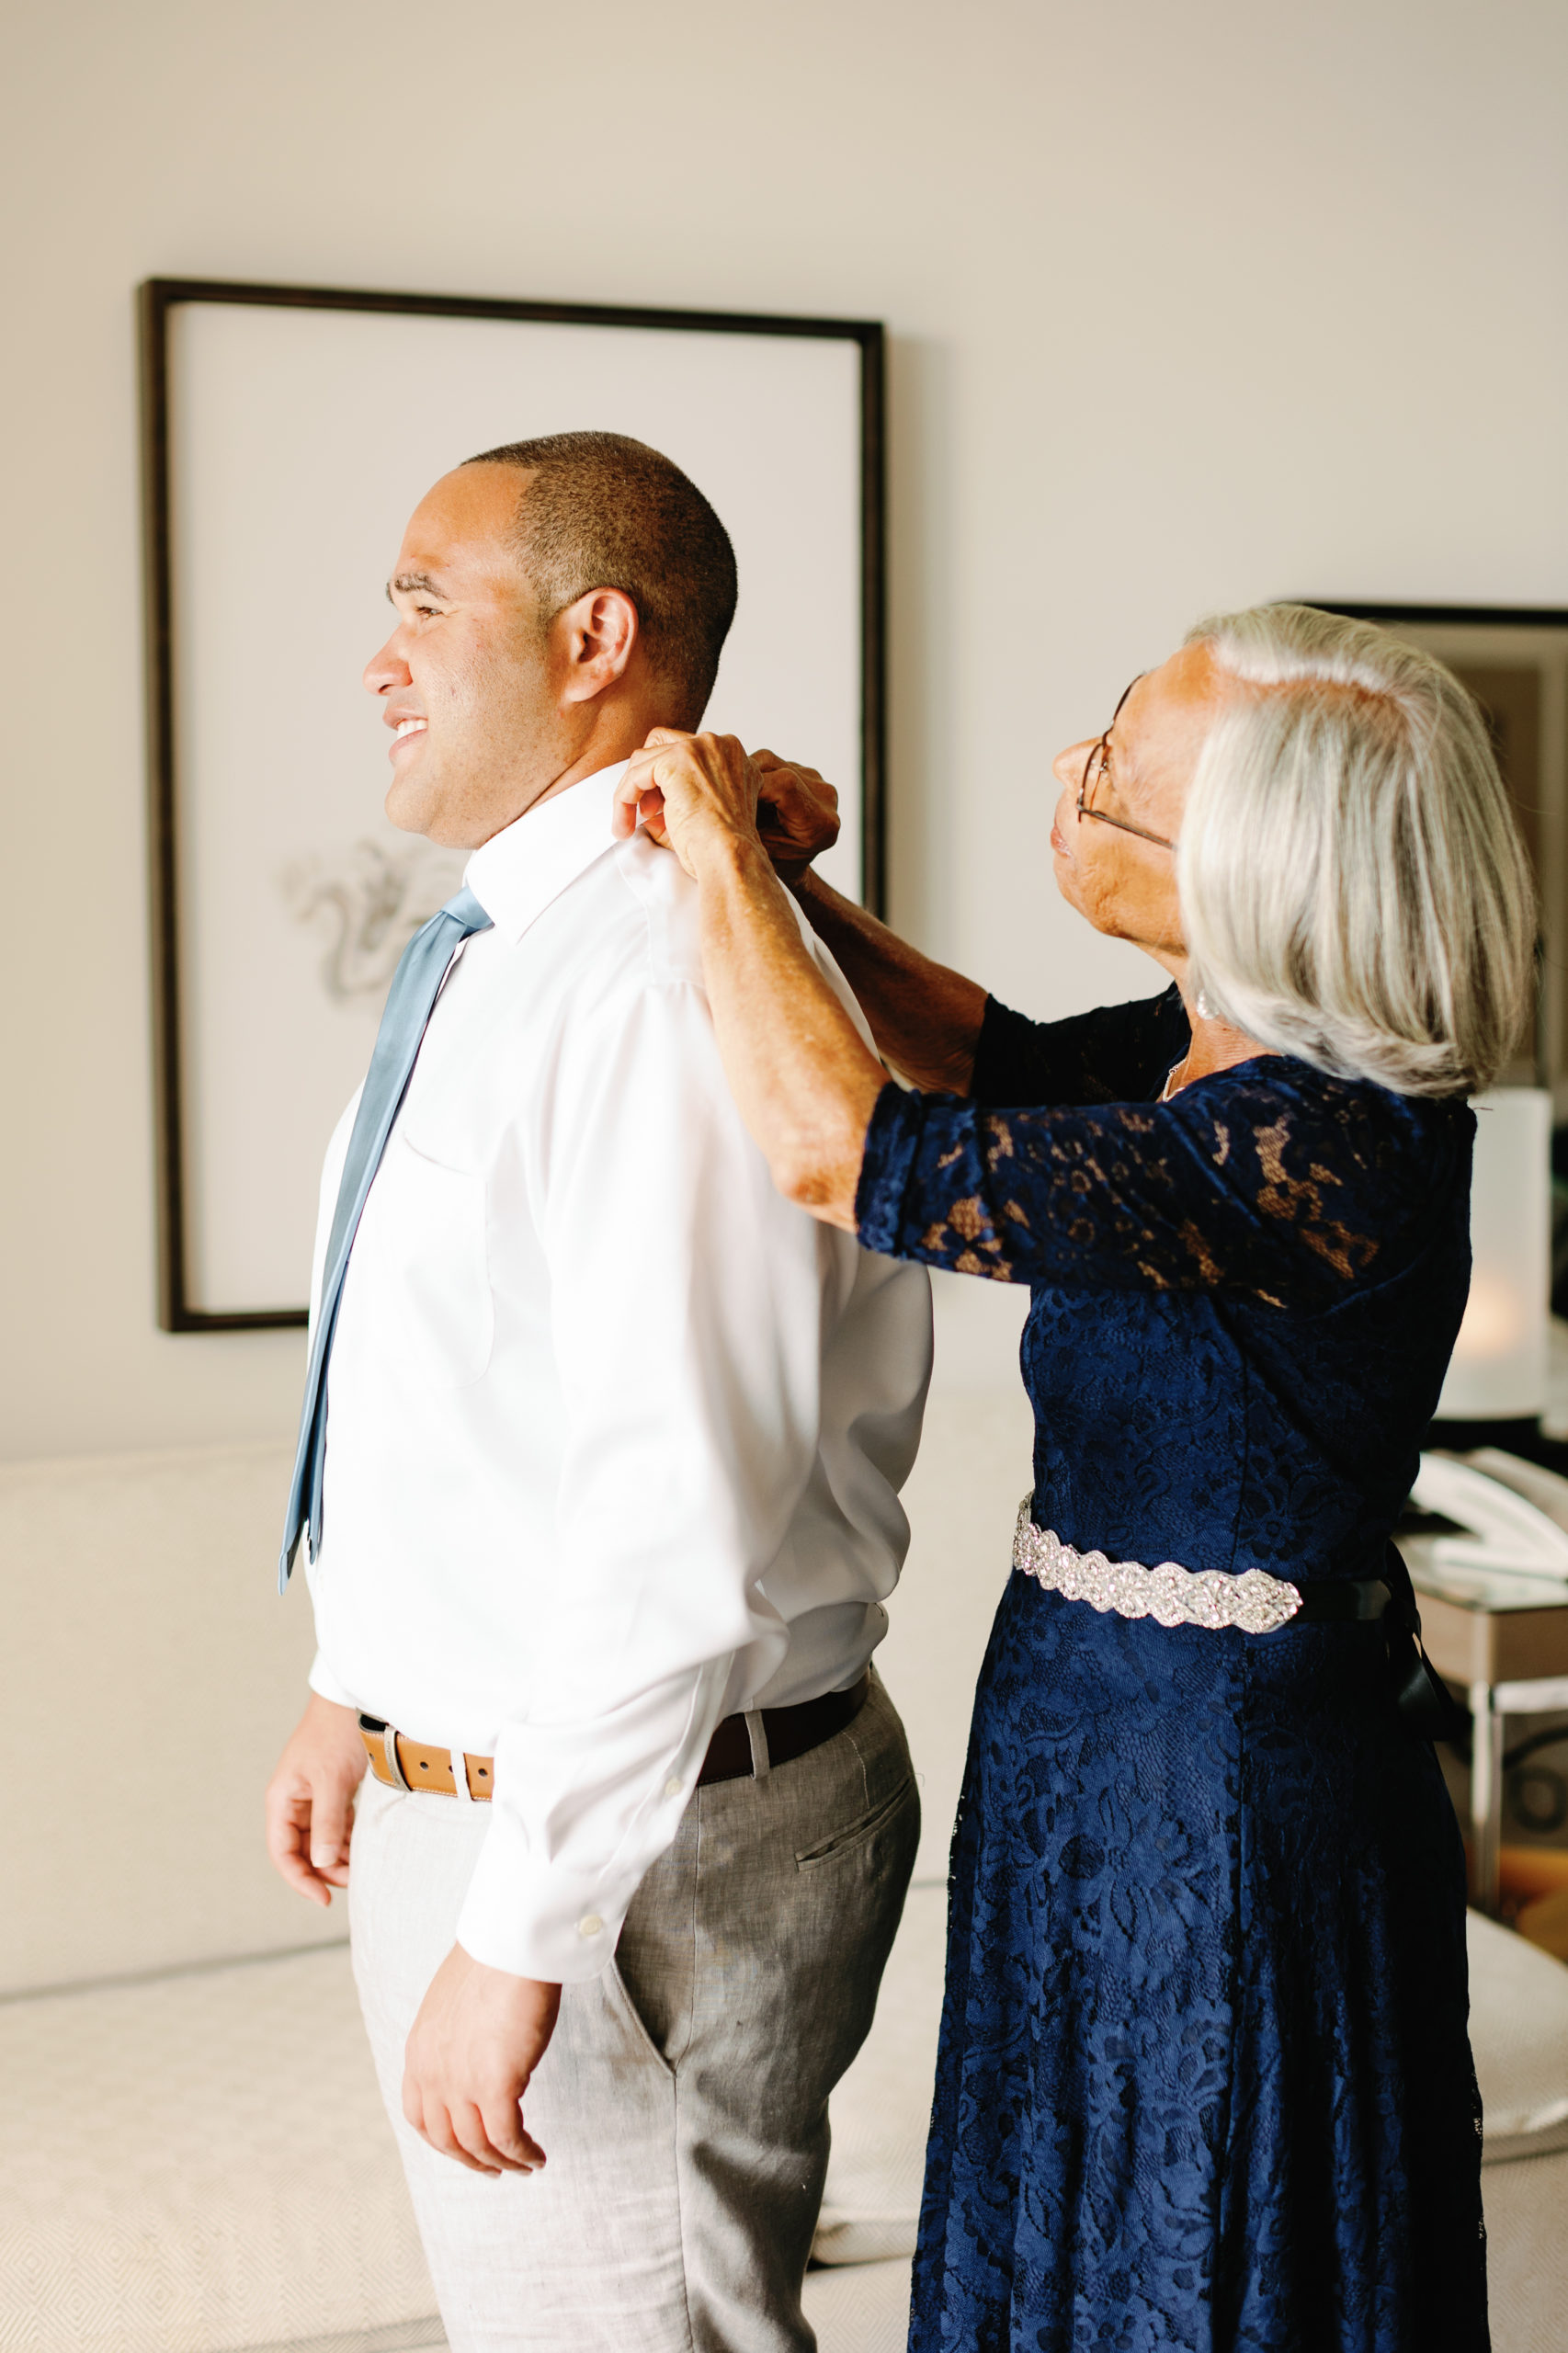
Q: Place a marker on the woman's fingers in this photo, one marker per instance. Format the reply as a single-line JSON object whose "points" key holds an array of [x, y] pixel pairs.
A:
{"points": [[678, 786], [798, 818], [765, 760], [626, 807], [639, 797], [705, 786], [651, 815], [642, 805]]}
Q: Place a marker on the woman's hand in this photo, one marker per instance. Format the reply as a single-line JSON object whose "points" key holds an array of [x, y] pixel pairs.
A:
{"points": [[805, 1079], [697, 788], [696, 794], [797, 815]]}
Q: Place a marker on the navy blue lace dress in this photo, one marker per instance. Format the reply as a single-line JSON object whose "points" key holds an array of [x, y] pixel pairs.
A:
{"points": [[1204, 2078]]}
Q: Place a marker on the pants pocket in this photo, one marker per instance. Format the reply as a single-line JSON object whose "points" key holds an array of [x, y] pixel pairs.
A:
{"points": [[618, 1998], [855, 1834]]}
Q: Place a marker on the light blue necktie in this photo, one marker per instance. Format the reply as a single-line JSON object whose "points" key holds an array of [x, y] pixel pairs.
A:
{"points": [[416, 986]]}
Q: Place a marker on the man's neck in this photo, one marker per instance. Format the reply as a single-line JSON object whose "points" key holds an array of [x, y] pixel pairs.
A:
{"points": [[612, 740], [593, 761], [607, 747]]}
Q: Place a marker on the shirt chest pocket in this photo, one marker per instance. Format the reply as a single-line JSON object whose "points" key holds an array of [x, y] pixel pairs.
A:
{"points": [[439, 1316]]}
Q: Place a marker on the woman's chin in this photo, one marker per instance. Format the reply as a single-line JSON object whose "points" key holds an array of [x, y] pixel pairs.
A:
{"points": [[1061, 869]]}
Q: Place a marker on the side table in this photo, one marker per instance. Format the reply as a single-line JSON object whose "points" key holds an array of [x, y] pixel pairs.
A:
{"points": [[1502, 1640]]}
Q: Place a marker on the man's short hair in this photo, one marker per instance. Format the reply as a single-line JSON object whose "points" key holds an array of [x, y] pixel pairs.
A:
{"points": [[603, 511]]}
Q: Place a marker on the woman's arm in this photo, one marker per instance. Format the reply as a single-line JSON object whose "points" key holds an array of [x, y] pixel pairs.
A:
{"points": [[925, 1018], [1268, 1187], [939, 1029], [804, 1080]]}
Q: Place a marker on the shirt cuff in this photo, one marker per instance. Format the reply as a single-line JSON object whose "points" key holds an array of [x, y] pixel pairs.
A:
{"points": [[554, 1881], [326, 1686], [551, 1921]]}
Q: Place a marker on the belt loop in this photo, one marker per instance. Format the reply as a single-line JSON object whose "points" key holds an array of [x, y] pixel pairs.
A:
{"points": [[395, 1765], [460, 1789], [756, 1732]]}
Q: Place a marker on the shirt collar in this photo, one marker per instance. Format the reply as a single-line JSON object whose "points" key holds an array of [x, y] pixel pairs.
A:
{"points": [[529, 863]]}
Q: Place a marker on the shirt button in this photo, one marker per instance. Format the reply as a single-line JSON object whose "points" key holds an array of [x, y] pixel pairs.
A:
{"points": [[590, 1924], [673, 1786]]}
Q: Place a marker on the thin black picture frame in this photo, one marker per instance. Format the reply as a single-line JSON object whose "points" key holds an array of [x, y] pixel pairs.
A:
{"points": [[1445, 616], [156, 298]]}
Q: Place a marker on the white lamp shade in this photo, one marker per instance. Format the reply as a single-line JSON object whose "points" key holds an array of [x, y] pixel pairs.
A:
{"points": [[1498, 1373]]}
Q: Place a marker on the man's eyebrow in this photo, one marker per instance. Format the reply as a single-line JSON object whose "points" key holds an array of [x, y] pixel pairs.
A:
{"points": [[409, 584]]}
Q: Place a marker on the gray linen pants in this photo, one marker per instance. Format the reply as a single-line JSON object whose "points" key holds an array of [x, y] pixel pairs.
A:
{"points": [[683, 2100]]}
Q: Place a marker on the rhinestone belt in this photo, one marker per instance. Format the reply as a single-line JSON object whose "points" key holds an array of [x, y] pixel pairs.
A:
{"points": [[1255, 1601]]}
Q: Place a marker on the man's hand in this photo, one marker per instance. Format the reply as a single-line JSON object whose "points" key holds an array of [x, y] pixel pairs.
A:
{"points": [[310, 1800], [479, 2036]]}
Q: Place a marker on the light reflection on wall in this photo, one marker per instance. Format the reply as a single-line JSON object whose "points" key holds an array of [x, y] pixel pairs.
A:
{"points": [[1500, 1360]]}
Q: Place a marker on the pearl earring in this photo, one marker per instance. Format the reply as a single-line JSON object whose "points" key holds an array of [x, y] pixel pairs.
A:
{"points": [[1205, 1010]]}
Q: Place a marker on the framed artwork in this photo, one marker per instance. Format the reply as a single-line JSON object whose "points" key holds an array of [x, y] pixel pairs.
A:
{"points": [[288, 432], [1514, 659]]}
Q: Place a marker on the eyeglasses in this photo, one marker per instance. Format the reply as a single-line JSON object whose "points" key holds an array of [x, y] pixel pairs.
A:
{"points": [[1096, 767]]}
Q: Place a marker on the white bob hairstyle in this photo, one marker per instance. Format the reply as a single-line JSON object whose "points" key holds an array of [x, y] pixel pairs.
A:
{"points": [[1354, 887]]}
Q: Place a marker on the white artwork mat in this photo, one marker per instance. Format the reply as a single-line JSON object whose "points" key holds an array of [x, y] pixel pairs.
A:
{"points": [[300, 442]]}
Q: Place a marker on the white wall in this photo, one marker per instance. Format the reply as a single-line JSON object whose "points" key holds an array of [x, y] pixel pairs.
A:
{"points": [[1191, 307]]}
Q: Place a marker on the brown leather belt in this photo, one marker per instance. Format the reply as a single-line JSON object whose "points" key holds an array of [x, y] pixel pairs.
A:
{"points": [[405, 1764]]}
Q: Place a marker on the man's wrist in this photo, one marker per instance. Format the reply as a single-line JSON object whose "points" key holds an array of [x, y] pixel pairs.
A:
{"points": [[547, 1988]]}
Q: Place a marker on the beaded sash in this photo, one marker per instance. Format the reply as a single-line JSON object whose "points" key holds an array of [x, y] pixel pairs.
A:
{"points": [[1255, 1601]]}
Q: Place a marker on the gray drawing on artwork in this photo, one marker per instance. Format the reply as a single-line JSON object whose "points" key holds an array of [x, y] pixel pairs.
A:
{"points": [[366, 903]]}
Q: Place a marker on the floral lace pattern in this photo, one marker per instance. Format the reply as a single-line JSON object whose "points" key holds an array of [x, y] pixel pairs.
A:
{"points": [[1204, 2079]]}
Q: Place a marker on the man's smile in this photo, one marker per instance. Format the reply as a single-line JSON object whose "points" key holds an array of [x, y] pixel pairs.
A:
{"points": [[408, 728]]}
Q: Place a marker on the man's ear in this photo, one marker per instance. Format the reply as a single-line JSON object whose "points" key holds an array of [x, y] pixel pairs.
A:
{"points": [[595, 640]]}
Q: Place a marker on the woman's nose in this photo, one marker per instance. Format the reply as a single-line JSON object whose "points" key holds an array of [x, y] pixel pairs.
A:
{"points": [[1068, 766]]}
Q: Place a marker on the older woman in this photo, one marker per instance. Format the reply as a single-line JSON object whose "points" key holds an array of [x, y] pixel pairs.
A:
{"points": [[1204, 2077]]}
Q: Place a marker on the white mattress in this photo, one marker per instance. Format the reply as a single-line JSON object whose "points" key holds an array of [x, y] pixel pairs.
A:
{"points": [[201, 2164], [1518, 2031], [861, 2308]]}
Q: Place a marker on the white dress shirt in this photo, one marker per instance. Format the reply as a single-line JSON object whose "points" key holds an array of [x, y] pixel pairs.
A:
{"points": [[615, 1433]]}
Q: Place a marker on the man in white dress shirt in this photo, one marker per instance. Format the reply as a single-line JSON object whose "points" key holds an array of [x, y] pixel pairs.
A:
{"points": [[610, 1509]]}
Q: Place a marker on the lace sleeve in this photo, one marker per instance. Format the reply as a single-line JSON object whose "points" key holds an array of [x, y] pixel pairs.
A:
{"points": [[1112, 1055], [1291, 1186]]}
